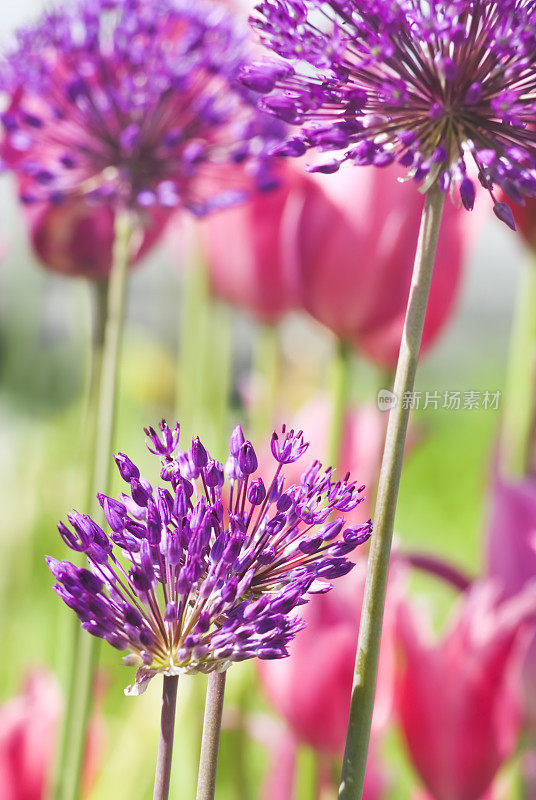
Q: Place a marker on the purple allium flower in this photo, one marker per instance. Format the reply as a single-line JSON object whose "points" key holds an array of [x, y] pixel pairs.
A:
{"points": [[135, 103], [437, 85], [193, 576]]}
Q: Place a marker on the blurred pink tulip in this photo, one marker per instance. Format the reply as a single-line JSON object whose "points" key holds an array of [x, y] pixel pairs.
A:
{"points": [[28, 726], [355, 245], [362, 445], [311, 689], [458, 699], [511, 533], [511, 560], [77, 239], [281, 776], [249, 248]]}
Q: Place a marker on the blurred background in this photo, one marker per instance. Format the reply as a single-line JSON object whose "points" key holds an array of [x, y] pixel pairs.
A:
{"points": [[45, 323]]}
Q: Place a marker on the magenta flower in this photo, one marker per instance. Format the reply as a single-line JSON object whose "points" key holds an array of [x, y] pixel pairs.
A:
{"points": [[250, 248], [74, 238], [280, 782], [134, 103], [446, 87], [458, 699], [187, 584], [311, 689], [511, 560], [355, 245], [28, 726], [511, 534]]}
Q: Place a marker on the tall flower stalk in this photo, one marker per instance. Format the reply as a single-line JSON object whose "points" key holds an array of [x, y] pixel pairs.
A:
{"points": [[110, 316], [210, 742], [165, 740], [446, 88], [368, 646]]}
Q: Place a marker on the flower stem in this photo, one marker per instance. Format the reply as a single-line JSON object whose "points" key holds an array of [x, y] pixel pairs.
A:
{"points": [[266, 373], [165, 741], [519, 411], [366, 666], [208, 760], [73, 631], [342, 370], [101, 422], [438, 568]]}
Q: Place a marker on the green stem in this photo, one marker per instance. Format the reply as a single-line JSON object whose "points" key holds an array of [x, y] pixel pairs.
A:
{"points": [[518, 420], [342, 371], [366, 666], [266, 371], [165, 741], [103, 397], [210, 742], [221, 356], [71, 639], [193, 376]]}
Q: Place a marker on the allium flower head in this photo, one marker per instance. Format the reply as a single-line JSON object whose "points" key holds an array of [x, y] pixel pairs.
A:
{"points": [[437, 85], [187, 583], [135, 103]]}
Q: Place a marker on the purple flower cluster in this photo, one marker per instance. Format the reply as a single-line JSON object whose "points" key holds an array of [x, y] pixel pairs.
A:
{"points": [[192, 577], [431, 84], [135, 103]]}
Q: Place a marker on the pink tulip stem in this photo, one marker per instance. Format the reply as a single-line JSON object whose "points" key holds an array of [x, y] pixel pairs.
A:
{"points": [[438, 568], [100, 424], [165, 740], [342, 372], [210, 741], [366, 665], [519, 410]]}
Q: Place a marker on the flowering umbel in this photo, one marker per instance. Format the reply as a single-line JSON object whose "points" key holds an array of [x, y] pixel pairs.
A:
{"points": [[134, 103], [433, 84], [187, 583]]}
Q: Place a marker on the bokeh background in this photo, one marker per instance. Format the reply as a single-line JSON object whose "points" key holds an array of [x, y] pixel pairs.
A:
{"points": [[44, 332]]}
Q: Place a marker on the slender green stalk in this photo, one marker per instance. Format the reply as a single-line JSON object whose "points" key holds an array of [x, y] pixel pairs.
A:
{"points": [[115, 317], [210, 742], [101, 421], [193, 374], [266, 370], [221, 354], [519, 409], [73, 631], [165, 741], [342, 371], [366, 666]]}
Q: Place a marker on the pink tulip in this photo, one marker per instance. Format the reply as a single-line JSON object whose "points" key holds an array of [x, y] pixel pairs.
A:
{"points": [[355, 247], [77, 239], [362, 445], [311, 689], [281, 776], [28, 726], [458, 699], [511, 533], [511, 560], [249, 249]]}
